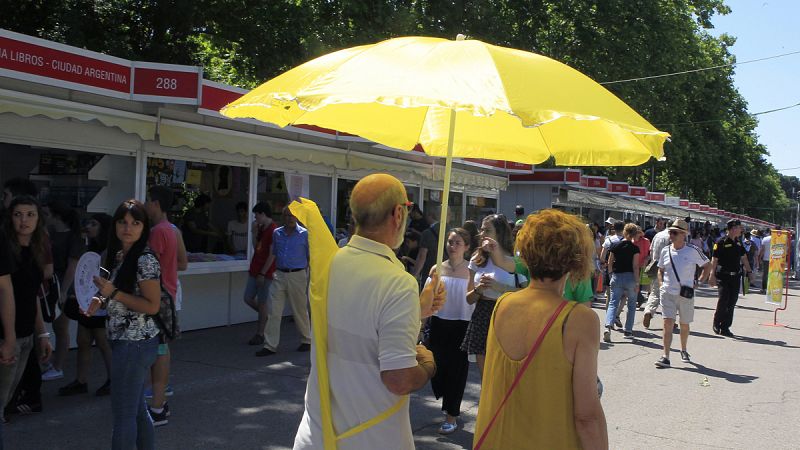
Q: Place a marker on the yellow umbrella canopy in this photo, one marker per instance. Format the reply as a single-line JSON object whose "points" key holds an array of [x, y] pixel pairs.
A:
{"points": [[510, 105]]}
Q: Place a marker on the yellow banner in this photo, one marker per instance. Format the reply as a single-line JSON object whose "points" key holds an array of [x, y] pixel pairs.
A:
{"points": [[778, 257]]}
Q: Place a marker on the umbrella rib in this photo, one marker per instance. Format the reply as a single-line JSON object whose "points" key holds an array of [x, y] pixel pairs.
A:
{"points": [[422, 125], [546, 144]]}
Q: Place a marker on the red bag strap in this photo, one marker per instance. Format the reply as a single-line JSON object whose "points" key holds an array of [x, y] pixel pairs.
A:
{"points": [[517, 379]]}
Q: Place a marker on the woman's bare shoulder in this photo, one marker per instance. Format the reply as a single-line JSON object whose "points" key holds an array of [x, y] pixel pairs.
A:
{"points": [[583, 322]]}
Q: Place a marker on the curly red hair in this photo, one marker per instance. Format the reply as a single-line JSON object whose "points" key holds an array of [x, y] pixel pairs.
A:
{"points": [[553, 243]]}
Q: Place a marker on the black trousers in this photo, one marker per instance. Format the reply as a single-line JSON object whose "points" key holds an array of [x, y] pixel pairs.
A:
{"points": [[452, 365], [728, 287]]}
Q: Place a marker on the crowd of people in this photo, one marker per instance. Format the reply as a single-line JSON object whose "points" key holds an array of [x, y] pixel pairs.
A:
{"points": [[670, 260], [141, 253], [513, 296]]}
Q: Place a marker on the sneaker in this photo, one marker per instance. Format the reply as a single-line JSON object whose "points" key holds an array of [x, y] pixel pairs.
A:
{"points": [[52, 374], [618, 323], [646, 321], [258, 339], [447, 428], [73, 388], [663, 363], [607, 335], [629, 335], [159, 418], [103, 390], [685, 356], [148, 391]]}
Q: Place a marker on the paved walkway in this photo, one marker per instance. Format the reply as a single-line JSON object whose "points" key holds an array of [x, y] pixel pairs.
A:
{"points": [[226, 398]]}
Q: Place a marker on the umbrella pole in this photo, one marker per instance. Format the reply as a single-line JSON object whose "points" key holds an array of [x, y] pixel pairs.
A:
{"points": [[448, 167]]}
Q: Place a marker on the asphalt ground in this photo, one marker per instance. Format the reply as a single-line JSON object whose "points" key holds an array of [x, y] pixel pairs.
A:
{"points": [[738, 393]]}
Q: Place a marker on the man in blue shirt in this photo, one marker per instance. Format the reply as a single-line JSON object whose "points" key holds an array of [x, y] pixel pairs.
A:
{"points": [[290, 248]]}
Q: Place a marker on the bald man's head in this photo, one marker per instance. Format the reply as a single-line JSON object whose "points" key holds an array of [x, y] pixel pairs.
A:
{"points": [[374, 198]]}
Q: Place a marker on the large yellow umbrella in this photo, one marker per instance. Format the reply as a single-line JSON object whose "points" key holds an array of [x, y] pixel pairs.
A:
{"points": [[461, 98]]}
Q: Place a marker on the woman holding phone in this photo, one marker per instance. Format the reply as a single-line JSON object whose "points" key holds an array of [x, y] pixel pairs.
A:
{"points": [[490, 282], [131, 296]]}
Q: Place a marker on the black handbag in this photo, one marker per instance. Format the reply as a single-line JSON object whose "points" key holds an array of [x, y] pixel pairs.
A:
{"points": [[686, 291], [49, 296]]}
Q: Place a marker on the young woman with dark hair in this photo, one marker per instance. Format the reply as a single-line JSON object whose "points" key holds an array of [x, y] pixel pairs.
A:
{"points": [[24, 227], [472, 228], [131, 296], [98, 228], [92, 329], [448, 327]]}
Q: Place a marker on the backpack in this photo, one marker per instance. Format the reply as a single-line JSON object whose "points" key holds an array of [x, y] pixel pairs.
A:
{"points": [[167, 317], [611, 247]]}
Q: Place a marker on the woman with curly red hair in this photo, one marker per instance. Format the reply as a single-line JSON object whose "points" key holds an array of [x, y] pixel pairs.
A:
{"points": [[541, 352]]}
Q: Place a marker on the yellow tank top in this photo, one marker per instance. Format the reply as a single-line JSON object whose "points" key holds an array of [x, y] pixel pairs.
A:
{"points": [[539, 413]]}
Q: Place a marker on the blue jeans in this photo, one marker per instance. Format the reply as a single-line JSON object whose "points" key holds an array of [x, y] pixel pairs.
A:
{"points": [[622, 283], [130, 363]]}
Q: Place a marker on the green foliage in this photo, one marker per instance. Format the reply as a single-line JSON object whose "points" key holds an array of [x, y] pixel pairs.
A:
{"points": [[714, 156]]}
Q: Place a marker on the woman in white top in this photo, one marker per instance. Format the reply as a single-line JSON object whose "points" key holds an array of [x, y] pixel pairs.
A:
{"points": [[448, 327], [490, 282]]}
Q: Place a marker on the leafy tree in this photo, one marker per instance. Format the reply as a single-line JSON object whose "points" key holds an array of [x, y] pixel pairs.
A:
{"points": [[714, 155]]}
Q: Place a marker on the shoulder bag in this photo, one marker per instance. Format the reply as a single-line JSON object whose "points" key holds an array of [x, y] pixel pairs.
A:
{"points": [[49, 297]]}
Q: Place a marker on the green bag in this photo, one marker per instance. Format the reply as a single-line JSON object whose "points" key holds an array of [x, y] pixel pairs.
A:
{"points": [[644, 278]]}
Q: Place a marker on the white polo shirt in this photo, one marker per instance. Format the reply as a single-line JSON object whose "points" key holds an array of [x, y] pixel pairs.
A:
{"points": [[373, 324]]}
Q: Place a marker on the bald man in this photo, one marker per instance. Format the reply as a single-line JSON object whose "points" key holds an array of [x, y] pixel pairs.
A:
{"points": [[373, 322]]}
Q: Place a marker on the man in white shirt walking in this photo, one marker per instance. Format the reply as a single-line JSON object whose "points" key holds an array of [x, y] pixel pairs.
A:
{"points": [[677, 265]]}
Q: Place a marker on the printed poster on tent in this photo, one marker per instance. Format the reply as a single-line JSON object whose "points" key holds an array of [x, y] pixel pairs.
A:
{"points": [[778, 252], [297, 185]]}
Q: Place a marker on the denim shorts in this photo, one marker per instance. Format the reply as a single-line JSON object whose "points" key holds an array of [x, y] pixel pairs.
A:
{"points": [[260, 293]]}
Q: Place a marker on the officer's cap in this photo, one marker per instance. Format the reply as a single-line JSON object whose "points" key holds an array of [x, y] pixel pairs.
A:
{"points": [[733, 223]]}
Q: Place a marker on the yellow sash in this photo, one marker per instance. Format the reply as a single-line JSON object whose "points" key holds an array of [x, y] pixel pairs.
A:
{"points": [[322, 249]]}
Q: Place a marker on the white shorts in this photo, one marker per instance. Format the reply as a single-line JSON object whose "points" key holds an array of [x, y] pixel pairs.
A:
{"points": [[672, 304]]}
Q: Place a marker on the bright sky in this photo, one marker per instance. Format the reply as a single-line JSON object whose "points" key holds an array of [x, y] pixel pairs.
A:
{"points": [[767, 28]]}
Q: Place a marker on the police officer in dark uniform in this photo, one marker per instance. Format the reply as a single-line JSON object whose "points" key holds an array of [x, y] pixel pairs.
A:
{"points": [[727, 260]]}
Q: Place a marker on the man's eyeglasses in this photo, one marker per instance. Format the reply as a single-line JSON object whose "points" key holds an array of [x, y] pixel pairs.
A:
{"points": [[409, 206]]}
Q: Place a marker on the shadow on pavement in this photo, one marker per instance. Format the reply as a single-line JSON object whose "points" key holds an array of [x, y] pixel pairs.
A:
{"points": [[709, 372], [704, 335], [703, 307], [753, 308], [753, 340]]}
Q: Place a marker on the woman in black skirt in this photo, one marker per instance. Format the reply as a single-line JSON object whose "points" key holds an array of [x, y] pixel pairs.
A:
{"points": [[447, 329]]}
